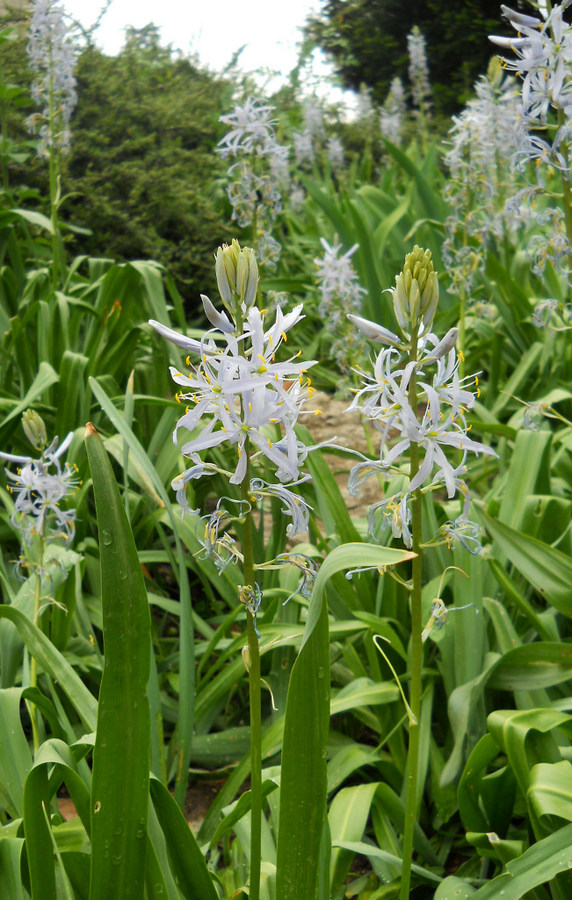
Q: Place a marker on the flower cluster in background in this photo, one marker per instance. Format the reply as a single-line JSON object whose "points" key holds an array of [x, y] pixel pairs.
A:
{"points": [[419, 73], [340, 294], [542, 57], [481, 179], [392, 113], [260, 170], [52, 58]]}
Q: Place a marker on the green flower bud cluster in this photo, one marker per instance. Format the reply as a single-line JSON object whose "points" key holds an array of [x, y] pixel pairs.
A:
{"points": [[416, 293], [237, 277], [34, 429]]}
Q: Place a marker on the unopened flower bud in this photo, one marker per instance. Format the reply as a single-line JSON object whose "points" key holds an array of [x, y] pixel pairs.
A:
{"points": [[416, 292], [447, 344], [34, 429], [237, 277]]}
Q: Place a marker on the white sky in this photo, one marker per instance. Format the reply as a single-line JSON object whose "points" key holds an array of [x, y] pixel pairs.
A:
{"points": [[213, 29]]}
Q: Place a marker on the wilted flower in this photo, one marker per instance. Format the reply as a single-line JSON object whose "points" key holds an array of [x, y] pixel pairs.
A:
{"points": [[467, 533], [293, 505]]}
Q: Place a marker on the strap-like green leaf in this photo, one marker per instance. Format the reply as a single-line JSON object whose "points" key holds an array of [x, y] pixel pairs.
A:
{"points": [[120, 787]]}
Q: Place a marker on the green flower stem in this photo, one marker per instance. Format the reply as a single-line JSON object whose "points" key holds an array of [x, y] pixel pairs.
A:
{"points": [[416, 653], [255, 705], [58, 262]]}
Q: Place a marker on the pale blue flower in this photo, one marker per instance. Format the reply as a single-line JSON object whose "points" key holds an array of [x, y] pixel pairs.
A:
{"points": [[293, 505], [251, 129], [39, 486], [241, 394]]}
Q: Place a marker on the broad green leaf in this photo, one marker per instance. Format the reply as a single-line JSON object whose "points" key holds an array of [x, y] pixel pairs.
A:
{"points": [[240, 809], [550, 791], [187, 862], [531, 666], [348, 817], [15, 757], [120, 785], [44, 379], [375, 853], [303, 784], [34, 218], [494, 847], [548, 570], [363, 692], [37, 832], [52, 661], [10, 852], [346, 761], [528, 465], [511, 728], [186, 660], [537, 865], [453, 888], [461, 705]]}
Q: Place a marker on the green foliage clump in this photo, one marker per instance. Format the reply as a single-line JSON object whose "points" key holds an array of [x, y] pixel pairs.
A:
{"points": [[143, 166]]}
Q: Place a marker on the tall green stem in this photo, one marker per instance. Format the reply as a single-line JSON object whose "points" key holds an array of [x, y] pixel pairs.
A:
{"points": [[58, 262], [416, 661], [255, 705]]}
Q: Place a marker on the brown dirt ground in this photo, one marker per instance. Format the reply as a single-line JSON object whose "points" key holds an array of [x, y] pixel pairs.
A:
{"points": [[346, 429]]}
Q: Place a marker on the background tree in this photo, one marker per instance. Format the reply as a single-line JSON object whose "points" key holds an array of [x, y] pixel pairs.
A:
{"points": [[367, 41], [143, 179]]}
